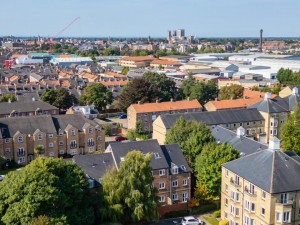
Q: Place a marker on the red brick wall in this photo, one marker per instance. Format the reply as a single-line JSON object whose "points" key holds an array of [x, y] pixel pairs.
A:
{"points": [[171, 208]]}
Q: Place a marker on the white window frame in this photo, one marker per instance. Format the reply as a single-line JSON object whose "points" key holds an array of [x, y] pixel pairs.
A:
{"points": [[50, 135], [162, 198], [39, 137], [175, 196], [226, 173], [162, 185], [91, 149], [90, 130], [175, 183], [278, 217], [185, 196], [263, 195], [20, 139], [73, 132], [7, 150], [51, 154], [162, 172], [60, 143], [51, 145], [184, 182], [286, 216], [261, 211], [61, 152], [7, 140]]}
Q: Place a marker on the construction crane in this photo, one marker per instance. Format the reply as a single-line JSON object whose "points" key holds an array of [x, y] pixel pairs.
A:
{"points": [[60, 32]]}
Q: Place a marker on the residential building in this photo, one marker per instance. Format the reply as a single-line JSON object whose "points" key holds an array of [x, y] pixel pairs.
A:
{"points": [[88, 111], [164, 64], [28, 108], [261, 188], [287, 91], [146, 113], [58, 135], [136, 61], [250, 119]]}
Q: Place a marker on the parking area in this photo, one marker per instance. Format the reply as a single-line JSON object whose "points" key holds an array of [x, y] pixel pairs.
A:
{"points": [[120, 121], [173, 221]]}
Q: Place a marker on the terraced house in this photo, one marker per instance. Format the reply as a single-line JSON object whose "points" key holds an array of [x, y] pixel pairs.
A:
{"points": [[262, 188], [58, 135]]}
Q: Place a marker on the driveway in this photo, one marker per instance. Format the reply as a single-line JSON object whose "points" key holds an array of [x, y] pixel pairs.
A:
{"points": [[124, 122]]}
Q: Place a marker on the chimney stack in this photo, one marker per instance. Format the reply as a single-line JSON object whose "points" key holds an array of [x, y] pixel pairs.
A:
{"points": [[274, 143], [295, 91], [267, 95], [240, 131], [139, 102], [261, 40], [157, 101], [172, 100]]}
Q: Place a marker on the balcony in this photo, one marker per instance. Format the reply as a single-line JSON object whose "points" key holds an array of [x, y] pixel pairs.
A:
{"points": [[250, 193], [233, 182], [72, 146], [284, 202], [90, 143]]}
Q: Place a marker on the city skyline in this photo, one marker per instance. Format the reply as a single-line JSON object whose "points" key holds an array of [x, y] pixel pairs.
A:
{"points": [[135, 18]]}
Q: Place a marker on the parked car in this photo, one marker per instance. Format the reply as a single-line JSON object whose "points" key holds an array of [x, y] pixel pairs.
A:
{"points": [[123, 116], [190, 220], [2, 177], [120, 138]]}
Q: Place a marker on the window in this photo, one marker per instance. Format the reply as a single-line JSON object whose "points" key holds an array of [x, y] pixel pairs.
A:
{"points": [[7, 150], [90, 142], [278, 216], [252, 207], [145, 121], [99, 138], [241, 124], [247, 205], [226, 173], [232, 209], [50, 135], [91, 149], [21, 160], [271, 131], [161, 198], [51, 154], [162, 172], [21, 152], [6, 140], [226, 187], [225, 214], [260, 131], [175, 170], [248, 123], [263, 211], [61, 152], [183, 167], [60, 143], [184, 182], [122, 159], [156, 155], [90, 130], [251, 190], [175, 196], [20, 139], [284, 198], [275, 132], [145, 114], [286, 216], [226, 201], [40, 137], [227, 125], [73, 144], [232, 194], [175, 183], [263, 195], [51, 145], [237, 196], [73, 133], [237, 180], [184, 196], [74, 151], [234, 125], [271, 124], [254, 122], [162, 185]]}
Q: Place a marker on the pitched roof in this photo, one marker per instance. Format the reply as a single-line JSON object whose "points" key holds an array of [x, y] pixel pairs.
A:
{"points": [[231, 104], [292, 100], [120, 149], [137, 58], [165, 62], [270, 170], [274, 105], [214, 117], [20, 106], [250, 94], [243, 144], [166, 106]]}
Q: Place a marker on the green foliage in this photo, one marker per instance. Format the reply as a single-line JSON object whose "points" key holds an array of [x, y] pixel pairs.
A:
{"points": [[191, 136], [217, 213], [125, 70], [211, 220], [201, 91], [60, 98], [149, 88], [8, 97], [208, 166], [107, 129], [38, 150], [138, 127], [128, 193], [290, 132], [2, 162], [98, 95], [50, 187], [287, 76], [234, 91]]}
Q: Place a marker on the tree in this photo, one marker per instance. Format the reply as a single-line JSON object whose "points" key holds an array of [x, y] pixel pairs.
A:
{"points": [[8, 97], [38, 150], [60, 98], [208, 166], [149, 88], [47, 186], [191, 136], [290, 132], [125, 70], [234, 91], [98, 95], [284, 75], [128, 193], [2, 162]]}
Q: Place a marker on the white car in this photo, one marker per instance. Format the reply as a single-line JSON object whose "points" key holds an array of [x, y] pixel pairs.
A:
{"points": [[190, 220], [2, 177]]}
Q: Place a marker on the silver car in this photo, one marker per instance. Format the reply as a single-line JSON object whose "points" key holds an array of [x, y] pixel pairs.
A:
{"points": [[2, 177], [190, 220]]}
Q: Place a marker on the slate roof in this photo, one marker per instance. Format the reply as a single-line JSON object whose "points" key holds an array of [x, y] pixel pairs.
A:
{"points": [[275, 105], [173, 154], [214, 117], [243, 144], [28, 106], [271, 170], [95, 165], [292, 100], [120, 150]]}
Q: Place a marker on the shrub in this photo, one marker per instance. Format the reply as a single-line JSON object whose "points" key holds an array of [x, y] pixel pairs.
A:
{"points": [[217, 213]]}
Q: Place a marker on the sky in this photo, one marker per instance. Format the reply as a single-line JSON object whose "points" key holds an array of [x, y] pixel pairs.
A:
{"points": [[141, 18]]}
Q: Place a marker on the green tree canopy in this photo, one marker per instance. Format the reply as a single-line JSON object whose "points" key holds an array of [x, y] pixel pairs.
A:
{"points": [[234, 91], [287, 76], [128, 193], [98, 95], [50, 187], [290, 133], [7, 97], [191, 136], [208, 166], [149, 88], [60, 98], [125, 70]]}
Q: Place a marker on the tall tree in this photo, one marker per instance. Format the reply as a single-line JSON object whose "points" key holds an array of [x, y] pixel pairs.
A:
{"points": [[290, 133], [50, 187], [98, 95], [8, 97], [234, 91], [60, 98], [208, 166], [191, 136], [128, 192]]}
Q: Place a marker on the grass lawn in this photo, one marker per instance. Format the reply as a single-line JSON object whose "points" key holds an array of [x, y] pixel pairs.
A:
{"points": [[211, 220]]}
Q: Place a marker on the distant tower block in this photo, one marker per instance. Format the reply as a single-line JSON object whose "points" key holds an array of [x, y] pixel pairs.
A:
{"points": [[261, 40]]}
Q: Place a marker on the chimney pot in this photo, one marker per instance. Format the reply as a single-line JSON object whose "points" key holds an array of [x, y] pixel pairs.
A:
{"points": [[267, 96]]}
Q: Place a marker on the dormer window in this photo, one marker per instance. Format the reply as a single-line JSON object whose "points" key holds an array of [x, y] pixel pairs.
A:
{"points": [[183, 167], [6, 140], [73, 133], [156, 155], [20, 139], [122, 159], [175, 170]]}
